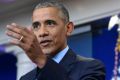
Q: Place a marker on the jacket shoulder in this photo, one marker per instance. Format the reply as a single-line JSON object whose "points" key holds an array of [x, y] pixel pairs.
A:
{"points": [[30, 75]]}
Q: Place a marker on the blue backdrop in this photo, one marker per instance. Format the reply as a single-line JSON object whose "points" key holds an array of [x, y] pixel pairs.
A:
{"points": [[7, 65], [103, 49]]}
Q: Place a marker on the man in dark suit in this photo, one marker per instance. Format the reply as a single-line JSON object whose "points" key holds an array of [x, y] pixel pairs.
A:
{"points": [[46, 45]]}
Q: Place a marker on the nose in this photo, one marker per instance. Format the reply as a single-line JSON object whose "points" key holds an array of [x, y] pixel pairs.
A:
{"points": [[43, 31]]}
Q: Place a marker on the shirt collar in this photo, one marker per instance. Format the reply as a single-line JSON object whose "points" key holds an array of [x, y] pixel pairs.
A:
{"points": [[58, 57]]}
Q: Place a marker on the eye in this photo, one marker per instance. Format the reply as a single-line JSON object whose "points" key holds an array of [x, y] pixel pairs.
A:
{"points": [[36, 25], [50, 22]]}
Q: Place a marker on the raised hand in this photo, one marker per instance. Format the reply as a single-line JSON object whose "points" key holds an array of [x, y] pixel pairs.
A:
{"points": [[26, 39]]}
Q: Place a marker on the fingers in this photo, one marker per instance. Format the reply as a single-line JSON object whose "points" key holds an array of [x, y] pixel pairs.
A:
{"points": [[18, 29], [14, 35], [17, 32], [20, 44], [21, 36]]}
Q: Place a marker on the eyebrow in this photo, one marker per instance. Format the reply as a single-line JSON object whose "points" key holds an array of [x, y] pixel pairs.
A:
{"points": [[50, 20], [38, 23]]}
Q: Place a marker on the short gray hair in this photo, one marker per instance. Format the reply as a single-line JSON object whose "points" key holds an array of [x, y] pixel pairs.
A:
{"points": [[56, 4]]}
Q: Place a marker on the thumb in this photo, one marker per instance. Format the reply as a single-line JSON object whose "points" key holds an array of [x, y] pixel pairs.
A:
{"points": [[30, 29]]}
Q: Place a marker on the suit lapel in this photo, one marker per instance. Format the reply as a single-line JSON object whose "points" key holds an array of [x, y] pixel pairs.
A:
{"points": [[31, 75], [68, 60]]}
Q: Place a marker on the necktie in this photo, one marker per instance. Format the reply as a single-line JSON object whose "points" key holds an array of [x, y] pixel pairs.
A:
{"points": [[38, 74]]}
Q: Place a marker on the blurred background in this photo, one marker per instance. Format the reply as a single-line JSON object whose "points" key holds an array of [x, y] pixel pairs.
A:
{"points": [[90, 38]]}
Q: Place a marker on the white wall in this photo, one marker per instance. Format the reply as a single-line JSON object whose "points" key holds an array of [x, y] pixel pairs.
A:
{"points": [[81, 11], [22, 17]]}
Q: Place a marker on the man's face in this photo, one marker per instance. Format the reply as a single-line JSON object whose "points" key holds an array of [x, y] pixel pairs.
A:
{"points": [[50, 29]]}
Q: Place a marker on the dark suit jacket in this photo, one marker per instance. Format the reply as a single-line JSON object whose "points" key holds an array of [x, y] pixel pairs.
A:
{"points": [[72, 67]]}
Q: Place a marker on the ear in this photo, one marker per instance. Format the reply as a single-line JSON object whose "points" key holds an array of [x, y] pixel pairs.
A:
{"points": [[69, 28]]}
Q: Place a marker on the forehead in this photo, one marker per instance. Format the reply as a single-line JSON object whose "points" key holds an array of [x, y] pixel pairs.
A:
{"points": [[46, 13]]}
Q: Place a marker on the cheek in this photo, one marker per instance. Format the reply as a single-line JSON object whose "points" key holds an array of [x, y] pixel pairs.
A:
{"points": [[60, 36]]}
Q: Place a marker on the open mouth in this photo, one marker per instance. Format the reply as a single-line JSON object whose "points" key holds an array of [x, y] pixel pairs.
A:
{"points": [[45, 42]]}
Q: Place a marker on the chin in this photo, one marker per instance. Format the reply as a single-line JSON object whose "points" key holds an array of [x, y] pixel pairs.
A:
{"points": [[49, 51]]}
